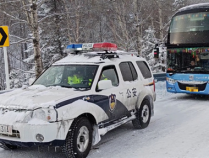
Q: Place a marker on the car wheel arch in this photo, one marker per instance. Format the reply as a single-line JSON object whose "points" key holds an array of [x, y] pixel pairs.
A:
{"points": [[150, 99], [90, 117]]}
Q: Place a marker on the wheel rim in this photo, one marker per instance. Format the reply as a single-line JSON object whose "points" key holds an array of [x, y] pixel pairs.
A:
{"points": [[145, 113], [83, 139]]}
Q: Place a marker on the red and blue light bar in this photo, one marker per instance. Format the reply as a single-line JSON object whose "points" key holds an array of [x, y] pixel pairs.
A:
{"points": [[93, 46]]}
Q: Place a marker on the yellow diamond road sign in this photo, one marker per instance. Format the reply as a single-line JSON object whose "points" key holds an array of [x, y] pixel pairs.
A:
{"points": [[4, 36]]}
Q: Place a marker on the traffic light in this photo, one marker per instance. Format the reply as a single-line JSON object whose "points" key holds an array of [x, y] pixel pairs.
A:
{"points": [[156, 52]]}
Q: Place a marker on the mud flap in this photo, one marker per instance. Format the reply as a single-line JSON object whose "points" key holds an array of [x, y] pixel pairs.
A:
{"points": [[96, 136]]}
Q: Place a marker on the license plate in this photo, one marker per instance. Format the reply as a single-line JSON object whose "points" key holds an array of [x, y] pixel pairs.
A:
{"points": [[192, 89], [4, 129]]}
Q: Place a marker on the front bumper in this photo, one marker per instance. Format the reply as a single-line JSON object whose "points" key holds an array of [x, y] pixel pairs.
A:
{"points": [[31, 144], [54, 134]]}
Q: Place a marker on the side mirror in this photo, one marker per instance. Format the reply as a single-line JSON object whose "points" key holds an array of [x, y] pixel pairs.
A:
{"points": [[105, 84], [31, 80]]}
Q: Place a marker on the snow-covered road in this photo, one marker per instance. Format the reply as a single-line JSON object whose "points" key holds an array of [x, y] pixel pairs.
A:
{"points": [[179, 129]]}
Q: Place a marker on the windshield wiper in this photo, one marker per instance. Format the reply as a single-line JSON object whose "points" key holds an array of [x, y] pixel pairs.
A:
{"points": [[49, 85], [65, 86], [82, 88]]}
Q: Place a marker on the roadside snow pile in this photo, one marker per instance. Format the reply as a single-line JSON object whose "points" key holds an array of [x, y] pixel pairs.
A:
{"points": [[160, 88]]}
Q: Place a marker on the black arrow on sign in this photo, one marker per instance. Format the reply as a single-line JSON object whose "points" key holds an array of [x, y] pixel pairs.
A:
{"points": [[4, 36]]}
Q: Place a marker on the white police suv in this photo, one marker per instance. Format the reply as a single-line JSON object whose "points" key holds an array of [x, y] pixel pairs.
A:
{"points": [[93, 90]]}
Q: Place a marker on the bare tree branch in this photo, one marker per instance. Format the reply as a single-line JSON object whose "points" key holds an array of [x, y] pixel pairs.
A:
{"points": [[31, 72], [20, 59], [22, 41], [15, 18], [42, 2], [9, 2], [16, 37]]}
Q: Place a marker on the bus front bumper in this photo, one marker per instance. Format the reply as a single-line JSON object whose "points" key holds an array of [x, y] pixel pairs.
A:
{"points": [[174, 88]]}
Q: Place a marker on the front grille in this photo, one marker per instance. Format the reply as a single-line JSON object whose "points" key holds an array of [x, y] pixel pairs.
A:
{"points": [[201, 87], [15, 134]]}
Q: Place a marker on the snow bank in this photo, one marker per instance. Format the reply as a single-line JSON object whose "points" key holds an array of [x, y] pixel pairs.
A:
{"points": [[160, 88]]}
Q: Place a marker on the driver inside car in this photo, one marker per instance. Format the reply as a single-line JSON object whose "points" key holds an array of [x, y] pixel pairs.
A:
{"points": [[76, 78]]}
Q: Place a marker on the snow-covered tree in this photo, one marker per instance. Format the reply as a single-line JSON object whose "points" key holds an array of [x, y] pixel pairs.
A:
{"points": [[178, 3], [160, 63], [148, 44]]}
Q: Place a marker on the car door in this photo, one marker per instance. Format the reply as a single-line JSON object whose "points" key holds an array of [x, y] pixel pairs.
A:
{"points": [[110, 99], [131, 84]]}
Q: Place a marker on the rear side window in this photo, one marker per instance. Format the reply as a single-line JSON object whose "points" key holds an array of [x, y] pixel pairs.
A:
{"points": [[144, 69], [128, 71], [133, 70]]}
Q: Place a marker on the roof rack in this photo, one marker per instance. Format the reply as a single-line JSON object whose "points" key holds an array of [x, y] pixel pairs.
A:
{"points": [[106, 55], [109, 55]]}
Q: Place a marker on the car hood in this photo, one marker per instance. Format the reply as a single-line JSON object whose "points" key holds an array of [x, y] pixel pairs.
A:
{"points": [[34, 97]]}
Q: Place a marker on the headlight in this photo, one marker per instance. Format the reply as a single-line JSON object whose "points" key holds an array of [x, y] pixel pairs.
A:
{"points": [[28, 116], [47, 114], [39, 114], [50, 114], [170, 80]]}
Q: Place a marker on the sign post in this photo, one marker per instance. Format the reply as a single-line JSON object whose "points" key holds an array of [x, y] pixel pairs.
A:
{"points": [[4, 42]]}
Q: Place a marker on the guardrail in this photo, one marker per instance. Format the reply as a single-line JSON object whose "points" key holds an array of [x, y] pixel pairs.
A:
{"points": [[159, 76]]}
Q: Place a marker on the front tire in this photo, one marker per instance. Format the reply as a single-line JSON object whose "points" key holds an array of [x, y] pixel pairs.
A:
{"points": [[79, 139], [143, 116]]}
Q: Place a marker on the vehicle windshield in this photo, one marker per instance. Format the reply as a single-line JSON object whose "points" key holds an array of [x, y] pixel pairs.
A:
{"points": [[193, 60], [69, 76], [191, 28]]}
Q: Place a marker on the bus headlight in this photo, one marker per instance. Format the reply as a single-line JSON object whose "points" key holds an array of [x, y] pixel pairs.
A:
{"points": [[170, 80]]}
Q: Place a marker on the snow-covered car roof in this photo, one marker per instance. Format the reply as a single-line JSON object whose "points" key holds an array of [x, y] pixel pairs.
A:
{"points": [[194, 6], [94, 58]]}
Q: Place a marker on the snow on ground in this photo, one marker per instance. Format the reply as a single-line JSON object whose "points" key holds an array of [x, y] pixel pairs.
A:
{"points": [[179, 129]]}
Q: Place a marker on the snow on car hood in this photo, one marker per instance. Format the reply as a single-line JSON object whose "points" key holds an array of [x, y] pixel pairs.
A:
{"points": [[34, 97]]}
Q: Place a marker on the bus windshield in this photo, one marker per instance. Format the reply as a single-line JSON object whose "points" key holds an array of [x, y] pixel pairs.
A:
{"points": [[191, 28], [188, 61]]}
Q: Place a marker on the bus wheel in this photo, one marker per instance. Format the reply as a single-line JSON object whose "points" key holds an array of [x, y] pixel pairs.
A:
{"points": [[79, 139], [143, 116]]}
